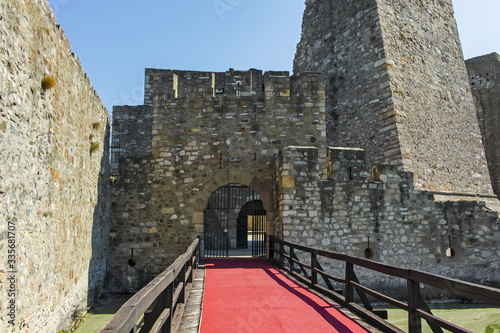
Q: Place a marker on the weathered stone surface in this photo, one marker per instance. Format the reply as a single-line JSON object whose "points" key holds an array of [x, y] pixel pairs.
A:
{"points": [[484, 76], [52, 188], [396, 86]]}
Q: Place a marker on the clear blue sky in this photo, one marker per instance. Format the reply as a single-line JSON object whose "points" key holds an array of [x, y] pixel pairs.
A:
{"points": [[116, 40]]}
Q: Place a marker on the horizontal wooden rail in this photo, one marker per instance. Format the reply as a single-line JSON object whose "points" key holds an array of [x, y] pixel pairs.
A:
{"points": [[381, 296], [331, 277], [416, 306], [158, 306]]}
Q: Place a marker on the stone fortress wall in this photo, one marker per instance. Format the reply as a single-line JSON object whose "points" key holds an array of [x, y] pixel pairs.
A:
{"points": [[204, 130], [353, 211], [53, 190], [484, 76]]}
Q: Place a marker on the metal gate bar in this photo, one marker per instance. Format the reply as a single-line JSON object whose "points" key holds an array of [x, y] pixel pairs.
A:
{"points": [[222, 208]]}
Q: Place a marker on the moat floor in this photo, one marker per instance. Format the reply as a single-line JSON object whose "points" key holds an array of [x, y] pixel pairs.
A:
{"points": [[472, 317], [100, 314]]}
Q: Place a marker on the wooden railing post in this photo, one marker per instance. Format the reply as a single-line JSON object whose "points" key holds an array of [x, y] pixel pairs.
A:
{"points": [[348, 288], [414, 320], [197, 252], [292, 255], [190, 264], [156, 300], [167, 299], [314, 273], [182, 279], [282, 250], [271, 248]]}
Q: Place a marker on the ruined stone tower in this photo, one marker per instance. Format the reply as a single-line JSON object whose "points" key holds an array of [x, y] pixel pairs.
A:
{"points": [[484, 76], [396, 86]]}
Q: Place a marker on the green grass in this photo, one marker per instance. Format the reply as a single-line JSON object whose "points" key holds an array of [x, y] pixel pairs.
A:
{"points": [[102, 313], [469, 316], [93, 323], [93, 147]]}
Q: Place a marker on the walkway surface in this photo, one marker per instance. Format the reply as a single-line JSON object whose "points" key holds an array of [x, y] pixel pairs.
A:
{"points": [[250, 295], [191, 317]]}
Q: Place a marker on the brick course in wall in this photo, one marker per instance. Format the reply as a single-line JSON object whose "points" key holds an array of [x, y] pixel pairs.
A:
{"points": [[53, 189]]}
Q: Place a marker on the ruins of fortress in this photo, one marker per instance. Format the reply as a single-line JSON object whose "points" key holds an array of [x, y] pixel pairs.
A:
{"points": [[382, 144]]}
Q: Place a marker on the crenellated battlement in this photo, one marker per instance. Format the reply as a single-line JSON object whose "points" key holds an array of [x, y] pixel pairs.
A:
{"points": [[232, 84]]}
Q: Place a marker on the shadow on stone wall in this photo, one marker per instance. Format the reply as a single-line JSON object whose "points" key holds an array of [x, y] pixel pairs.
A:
{"points": [[100, 227]]}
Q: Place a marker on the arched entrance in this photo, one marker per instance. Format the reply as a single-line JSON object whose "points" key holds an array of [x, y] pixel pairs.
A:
{"points": [[234, 219]]}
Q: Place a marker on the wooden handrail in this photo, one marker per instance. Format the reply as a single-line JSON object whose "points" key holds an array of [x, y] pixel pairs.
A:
{"points": [[153, 308], [416, 307]]}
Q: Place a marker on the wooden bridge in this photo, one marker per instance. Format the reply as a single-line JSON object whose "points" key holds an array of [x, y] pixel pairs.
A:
{"points": [[282, 294]]}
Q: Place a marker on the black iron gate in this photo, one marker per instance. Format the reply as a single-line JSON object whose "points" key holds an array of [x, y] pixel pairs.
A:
{"points": [[234, 219]]}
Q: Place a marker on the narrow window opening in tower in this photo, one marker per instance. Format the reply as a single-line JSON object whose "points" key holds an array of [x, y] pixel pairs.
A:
{"points": [[176, 86], [213, 85], [251, 81], [238, 92]]}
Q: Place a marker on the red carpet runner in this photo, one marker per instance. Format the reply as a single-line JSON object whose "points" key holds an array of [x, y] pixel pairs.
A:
{"points": [[250, 295]]}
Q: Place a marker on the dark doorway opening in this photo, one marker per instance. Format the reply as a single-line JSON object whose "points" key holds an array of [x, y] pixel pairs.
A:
{"points": [[234, 219]]}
